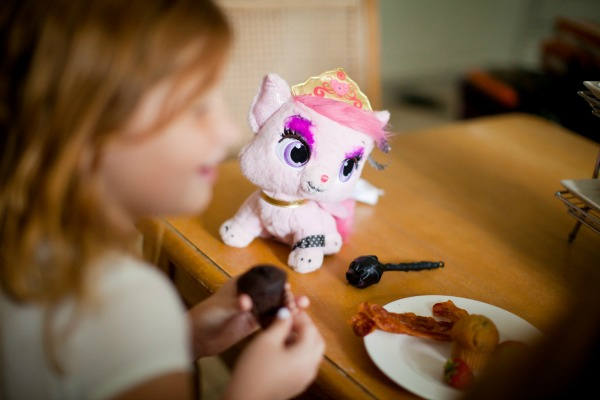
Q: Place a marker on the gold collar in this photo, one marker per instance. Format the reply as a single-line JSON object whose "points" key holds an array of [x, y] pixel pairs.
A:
{"points": [[282, 203]]}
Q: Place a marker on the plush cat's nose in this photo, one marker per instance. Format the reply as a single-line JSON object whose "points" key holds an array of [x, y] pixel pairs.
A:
{"points": [[324, 178]]}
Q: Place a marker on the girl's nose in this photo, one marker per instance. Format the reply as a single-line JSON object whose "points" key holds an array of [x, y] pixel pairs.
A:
{"points": [[324, 178]]}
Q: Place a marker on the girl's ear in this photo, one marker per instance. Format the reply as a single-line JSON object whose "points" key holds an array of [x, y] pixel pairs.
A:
{"points": [[383, 117], [273, 93]]}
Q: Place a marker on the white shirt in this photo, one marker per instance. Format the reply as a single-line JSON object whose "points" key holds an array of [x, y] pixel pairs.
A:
{"points": [[135, 329]]}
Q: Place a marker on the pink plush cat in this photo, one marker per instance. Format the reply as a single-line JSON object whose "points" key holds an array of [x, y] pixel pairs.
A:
{"points": [[310, 145]]}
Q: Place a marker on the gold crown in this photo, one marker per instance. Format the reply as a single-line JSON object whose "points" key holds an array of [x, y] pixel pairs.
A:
{"points": [[336, 85]]}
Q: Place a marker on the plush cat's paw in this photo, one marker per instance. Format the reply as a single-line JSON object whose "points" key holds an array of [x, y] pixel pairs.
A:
{"points": [[306, 260], [333, 243], [234, 235]]}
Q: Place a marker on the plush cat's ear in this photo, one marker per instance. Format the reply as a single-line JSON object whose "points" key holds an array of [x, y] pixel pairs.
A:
{"points": [[383, 117], [382, 144], [273, 93]]}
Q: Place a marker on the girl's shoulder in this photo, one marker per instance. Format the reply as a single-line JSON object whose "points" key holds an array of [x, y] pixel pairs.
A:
{"points": [[131, 328], [124, 282], [140, 321], [118, 270]]}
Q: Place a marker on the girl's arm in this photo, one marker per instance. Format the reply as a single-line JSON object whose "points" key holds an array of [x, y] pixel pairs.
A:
{"points": [[221, 320], [225, 318], [279, 363]]}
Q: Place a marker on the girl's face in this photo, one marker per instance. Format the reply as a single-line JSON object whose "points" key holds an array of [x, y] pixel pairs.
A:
{"points": [[170, 169]]}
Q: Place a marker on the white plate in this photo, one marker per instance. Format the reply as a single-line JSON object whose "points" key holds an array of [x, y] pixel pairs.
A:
{"points": [[586, 189], [417, 364]]}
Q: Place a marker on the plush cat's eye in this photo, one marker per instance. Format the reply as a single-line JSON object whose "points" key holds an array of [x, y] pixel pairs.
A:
{"points": [[292, 150], [348, 167]]}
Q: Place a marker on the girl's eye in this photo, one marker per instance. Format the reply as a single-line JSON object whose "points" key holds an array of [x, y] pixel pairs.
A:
{"points": [[348, 167], [293, 152]]}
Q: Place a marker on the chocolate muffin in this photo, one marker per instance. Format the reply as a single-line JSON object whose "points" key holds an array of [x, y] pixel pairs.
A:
{"points": [[265, 284]]}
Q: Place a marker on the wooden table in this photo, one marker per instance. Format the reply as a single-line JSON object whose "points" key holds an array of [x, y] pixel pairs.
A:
{"points": [[478, 195]]}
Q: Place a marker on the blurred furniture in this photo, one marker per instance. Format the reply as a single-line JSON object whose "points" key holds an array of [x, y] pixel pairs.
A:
{"points": [[582, 196], [477, 195], [569, 57], [297, 40]]}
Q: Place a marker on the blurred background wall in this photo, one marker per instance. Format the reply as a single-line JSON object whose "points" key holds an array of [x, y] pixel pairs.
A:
{"points": [[416, 57], [437, 39], [524, 61]]}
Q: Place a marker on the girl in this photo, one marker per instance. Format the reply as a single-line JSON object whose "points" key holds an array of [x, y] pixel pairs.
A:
{"points": [[110, 111]]}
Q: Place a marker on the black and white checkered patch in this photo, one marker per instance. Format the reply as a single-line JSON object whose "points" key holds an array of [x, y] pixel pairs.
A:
{"points": [[311, 241]]}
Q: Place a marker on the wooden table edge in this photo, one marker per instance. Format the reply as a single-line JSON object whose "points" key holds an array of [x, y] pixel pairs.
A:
{"points": [[176, 251]]}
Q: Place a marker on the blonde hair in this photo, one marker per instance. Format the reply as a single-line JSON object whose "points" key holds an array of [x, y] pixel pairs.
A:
{"points": [[73, 73]]}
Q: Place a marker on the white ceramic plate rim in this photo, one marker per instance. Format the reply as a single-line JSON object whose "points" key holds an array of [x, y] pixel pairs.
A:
{"points": [[586, 189], [416, 363]]}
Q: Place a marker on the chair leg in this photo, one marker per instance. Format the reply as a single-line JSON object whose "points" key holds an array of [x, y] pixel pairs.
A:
{"points": [[574, 231]]}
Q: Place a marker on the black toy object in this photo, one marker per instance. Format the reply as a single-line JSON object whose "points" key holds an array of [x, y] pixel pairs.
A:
{"points": [[365, 271]]}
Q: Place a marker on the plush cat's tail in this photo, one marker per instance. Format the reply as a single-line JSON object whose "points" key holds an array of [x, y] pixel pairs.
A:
{"points": [[343, 214], [345, 221]]}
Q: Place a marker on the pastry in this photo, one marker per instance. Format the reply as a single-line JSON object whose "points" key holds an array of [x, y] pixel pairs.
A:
{"points": [[474, 339], [265, 284]]}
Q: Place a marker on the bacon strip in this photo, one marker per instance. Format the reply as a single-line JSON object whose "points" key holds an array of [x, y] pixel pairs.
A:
{"points": [[372, 316], [449, 310]]}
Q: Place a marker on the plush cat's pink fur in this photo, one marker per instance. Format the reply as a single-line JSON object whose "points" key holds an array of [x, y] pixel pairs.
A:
{"points": [[332, 133], [347, 115]]}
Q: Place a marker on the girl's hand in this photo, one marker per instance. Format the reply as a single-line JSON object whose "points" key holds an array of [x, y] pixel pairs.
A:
{"points": [[221, 320], [280, 362], [225, 318]]}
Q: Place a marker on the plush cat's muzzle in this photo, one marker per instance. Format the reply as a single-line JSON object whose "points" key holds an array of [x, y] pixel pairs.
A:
{"points": [[316, 179]]}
